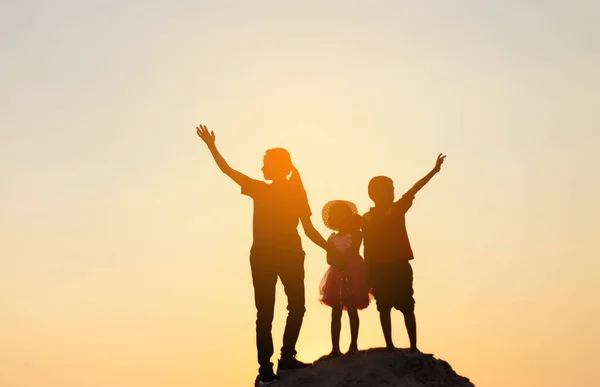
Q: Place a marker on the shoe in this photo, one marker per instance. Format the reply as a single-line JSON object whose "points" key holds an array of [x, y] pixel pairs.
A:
{"points": [[291, 364], [333, 354], [266, 379]]}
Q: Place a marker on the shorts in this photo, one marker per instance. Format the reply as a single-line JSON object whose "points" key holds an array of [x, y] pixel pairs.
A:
{"points": [[393, 286]]}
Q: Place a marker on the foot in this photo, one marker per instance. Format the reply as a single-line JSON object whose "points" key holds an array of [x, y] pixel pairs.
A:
{"points": [[391, 348], [266, 378], [333, 354], [291, 364], [353, 349], [414, 350]]}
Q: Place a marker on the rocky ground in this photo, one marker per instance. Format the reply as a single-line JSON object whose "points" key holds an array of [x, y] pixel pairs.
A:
{"points": [[377, 367]]}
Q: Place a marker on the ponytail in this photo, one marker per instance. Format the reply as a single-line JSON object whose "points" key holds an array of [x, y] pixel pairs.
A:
{"points": [[296, 179]]}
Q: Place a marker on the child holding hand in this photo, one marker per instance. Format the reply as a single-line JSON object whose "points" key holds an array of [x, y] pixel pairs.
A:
{"points": [[344, 285]]}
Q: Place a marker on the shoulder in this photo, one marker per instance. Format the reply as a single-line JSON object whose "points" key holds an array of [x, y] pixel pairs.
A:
{"points": [[258, 184], [407, 198], [367, 219], [405, 202], [252, 187]]}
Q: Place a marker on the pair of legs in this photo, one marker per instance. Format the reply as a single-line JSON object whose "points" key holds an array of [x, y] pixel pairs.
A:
{"points": [[267, 265], [336, 327], [393, 288], [411, 327]]}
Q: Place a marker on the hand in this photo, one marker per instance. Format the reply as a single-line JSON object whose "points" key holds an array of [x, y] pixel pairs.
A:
{"points": [[205, 135], [439, 162]]}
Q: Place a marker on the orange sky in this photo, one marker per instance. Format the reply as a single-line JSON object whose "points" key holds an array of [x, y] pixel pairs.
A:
{"points": [[124, 258]]}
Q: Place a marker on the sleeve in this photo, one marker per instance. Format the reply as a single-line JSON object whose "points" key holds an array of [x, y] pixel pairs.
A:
{"points": [[405, 203], [252, 187]]}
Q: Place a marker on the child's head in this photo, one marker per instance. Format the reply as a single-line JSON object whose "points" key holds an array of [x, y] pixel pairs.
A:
{"points": [[277, 164], [339, 214], [381, 190]]}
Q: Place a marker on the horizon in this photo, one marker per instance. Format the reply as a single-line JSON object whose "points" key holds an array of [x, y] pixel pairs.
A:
{"points": [[125, 258]]}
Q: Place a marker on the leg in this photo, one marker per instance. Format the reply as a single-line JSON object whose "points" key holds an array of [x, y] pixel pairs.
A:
{"points": [[385, 316], [264, 279], [291, 274], [411, 328], [383, 290], [406, 303], [336, 327], [354, 325]]}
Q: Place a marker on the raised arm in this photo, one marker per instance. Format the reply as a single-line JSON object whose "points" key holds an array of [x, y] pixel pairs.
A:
{"points": [[311, 232], [209, 139], [421, 183]]}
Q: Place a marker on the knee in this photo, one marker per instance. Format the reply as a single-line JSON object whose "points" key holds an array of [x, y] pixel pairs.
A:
{"points": [[264, 317], [296, 309]]}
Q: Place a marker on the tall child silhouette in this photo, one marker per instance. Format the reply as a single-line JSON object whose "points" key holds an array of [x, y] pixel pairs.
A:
{"points": [[388, 252], [276, 249]]}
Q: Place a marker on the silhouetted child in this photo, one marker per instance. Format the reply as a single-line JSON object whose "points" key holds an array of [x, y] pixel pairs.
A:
{"points": [[388, 252], [344, 285]]}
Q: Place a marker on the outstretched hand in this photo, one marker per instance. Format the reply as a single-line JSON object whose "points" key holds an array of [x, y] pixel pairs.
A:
{"points": [[439, 162], [205, 135]]}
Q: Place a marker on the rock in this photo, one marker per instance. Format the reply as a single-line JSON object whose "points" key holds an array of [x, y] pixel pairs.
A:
{"points": [[376, 367]]}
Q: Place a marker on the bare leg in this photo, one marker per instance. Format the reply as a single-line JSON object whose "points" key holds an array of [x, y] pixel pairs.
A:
{"points": [[386, 325], [411, 328], [354, 325], [336, 327]]}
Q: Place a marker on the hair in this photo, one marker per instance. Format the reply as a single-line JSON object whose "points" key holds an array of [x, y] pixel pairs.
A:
{"points": [[282, 157], [375, 185], [336, 209]]}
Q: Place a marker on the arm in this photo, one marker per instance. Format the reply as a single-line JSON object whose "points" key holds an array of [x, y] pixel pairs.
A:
{"points": [[421, 183], [209, 139], [311, 232]]}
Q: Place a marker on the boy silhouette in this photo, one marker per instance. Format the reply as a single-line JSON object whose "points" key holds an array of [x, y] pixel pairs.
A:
{"points": [[387, 253], [276, 249]]}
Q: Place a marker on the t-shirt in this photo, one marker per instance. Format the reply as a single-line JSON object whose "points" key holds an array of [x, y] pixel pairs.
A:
{"points": [[277, 210], [385, 236]]}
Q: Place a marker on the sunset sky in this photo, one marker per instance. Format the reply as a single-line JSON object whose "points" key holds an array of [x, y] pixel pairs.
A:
{"points": [[124, 250]]}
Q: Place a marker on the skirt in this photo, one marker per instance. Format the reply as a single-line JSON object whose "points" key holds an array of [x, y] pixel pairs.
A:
{"points": [[346, 288]]}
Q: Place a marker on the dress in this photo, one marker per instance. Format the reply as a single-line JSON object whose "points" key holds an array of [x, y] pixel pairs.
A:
{"points": [[347, 286]]}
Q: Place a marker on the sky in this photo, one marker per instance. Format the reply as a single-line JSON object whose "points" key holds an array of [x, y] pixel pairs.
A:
{"points": [[124, 251]]}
